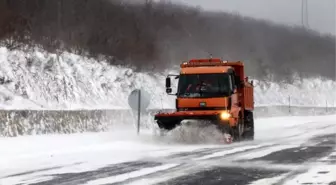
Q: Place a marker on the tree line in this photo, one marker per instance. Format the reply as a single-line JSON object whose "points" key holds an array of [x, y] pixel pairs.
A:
{"points": [[156, 35]]}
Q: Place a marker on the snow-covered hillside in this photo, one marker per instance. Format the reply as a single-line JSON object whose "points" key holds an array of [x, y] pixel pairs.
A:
{"points": [[41, 80]]}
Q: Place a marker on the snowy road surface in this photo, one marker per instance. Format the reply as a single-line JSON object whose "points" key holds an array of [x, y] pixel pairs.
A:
{"points": [[287, 150]]}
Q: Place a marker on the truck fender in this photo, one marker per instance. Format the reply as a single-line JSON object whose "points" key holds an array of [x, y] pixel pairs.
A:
{"points": [[236, 112]]}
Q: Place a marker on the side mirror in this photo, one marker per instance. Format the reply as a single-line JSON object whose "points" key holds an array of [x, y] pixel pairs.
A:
{"points": [[168, 85], [168, 82], [169, 90]]}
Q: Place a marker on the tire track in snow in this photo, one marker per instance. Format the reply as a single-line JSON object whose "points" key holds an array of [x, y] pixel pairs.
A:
{"points": [[224, 175], [298, 154], [129, 176], [232, 151], [108, 171], [212, 165], [247, 172], [198, 164], [309, 158]]}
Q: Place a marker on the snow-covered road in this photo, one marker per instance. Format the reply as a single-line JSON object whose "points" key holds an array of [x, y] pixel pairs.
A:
{"points": [[287, 150]]}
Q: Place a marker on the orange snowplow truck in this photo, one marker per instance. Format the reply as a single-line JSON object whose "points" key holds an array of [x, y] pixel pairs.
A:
{"points": [[212, 90]]}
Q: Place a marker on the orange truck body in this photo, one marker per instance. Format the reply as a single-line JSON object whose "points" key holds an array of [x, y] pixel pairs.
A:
{"points": [[238, 103]]}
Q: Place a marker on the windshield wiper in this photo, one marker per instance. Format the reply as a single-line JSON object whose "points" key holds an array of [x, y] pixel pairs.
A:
{"points": [[186, 94]]}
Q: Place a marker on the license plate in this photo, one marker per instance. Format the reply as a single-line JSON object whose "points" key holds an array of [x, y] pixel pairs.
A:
{"points": [[202, 104]]}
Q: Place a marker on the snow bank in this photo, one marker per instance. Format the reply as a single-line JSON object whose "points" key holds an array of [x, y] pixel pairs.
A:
{"points": [[39, 80], [42, 80]]}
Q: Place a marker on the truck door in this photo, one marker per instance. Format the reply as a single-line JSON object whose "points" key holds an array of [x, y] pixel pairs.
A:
{"points": [[235, 107]]}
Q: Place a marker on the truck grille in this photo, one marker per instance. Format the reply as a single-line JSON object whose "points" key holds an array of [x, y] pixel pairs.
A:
{"points": [[201, 108]]}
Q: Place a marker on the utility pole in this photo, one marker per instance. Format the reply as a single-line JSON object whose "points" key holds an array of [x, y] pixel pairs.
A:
{"points": [[139, 111], [289, 104], [304, 14]]}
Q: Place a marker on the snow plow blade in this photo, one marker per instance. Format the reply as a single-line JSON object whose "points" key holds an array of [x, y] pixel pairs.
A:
{"points": [[169, 121]]}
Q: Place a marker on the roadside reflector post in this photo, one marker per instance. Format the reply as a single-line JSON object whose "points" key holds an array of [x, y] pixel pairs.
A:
{"points": [[139, 111], [289, 104]]}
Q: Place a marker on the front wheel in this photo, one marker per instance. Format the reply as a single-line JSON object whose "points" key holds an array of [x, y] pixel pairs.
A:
{"points": [[237, 132]]}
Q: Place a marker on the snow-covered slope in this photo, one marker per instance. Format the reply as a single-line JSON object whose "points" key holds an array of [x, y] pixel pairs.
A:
{"points": [[68, 82], [41, 80]]}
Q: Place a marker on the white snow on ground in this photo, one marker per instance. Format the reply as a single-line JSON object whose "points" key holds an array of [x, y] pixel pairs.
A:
{"points": [[285, 128], [329, 158], [138, 173], [269, 181], [223, 153], [90, 151], [93, 150], [262, 152], [319, 174], [41, 80]]}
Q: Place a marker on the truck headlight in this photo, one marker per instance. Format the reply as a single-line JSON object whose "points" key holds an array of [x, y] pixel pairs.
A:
{"points": [[225, 116]]}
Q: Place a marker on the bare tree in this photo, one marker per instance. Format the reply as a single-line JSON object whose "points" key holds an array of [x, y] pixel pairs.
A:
{"points": [[158, 35]]}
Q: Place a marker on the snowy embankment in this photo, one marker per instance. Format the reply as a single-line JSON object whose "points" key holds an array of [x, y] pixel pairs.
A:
{"points": [[37, 80], [40, 80]]}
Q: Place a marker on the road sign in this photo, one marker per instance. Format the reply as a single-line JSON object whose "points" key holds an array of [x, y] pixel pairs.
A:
{"points": [[139, 100], [133, 99]]}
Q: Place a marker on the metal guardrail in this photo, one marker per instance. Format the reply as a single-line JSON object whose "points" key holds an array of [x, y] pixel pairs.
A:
{"points": [[27, 122]]}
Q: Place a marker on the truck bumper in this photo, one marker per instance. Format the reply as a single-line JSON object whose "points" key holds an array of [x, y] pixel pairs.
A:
{"points": [[195, 115]]}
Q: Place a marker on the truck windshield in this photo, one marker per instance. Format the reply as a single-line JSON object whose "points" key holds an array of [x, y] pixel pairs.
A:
{"points": [[204, 85]]}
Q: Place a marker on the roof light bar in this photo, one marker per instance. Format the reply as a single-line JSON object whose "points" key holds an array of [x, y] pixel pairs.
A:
{"points": [[209, 62]]}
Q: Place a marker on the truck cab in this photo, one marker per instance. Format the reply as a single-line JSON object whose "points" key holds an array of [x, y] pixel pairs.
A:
{"points": [[212, 90]]}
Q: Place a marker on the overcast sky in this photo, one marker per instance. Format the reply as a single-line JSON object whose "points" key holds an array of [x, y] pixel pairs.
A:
{"points": [[321, 13]]}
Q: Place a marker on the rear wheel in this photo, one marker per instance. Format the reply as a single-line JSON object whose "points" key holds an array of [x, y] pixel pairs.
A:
{"points": [[249, 126]]}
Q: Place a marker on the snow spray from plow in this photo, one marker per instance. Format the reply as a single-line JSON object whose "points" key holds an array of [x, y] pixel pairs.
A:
{"points": [[190, 132]]}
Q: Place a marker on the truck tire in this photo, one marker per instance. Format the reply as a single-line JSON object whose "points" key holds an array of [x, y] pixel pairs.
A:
{"points": [[237, 131], [226, 129], [249, 126]]}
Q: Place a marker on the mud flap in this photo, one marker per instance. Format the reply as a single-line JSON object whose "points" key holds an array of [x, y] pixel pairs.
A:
{"points": [[225, 129], [227, 138]]}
